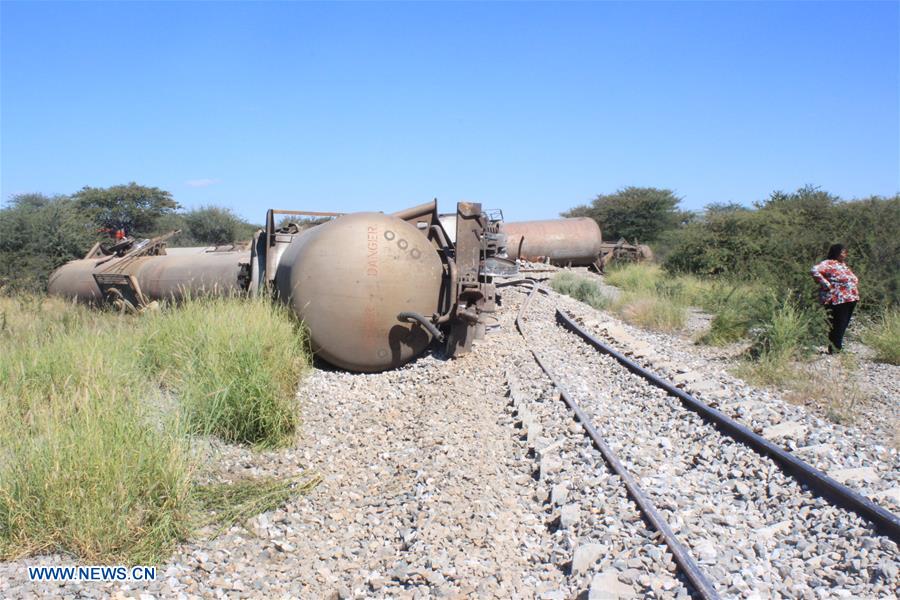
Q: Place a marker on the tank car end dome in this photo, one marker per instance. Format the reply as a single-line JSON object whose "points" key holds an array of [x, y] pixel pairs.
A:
{"points": [[350, 278]]}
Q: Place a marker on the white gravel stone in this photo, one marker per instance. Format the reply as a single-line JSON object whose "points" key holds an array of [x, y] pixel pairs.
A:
{"points": [[585, 556], [606, 586]]}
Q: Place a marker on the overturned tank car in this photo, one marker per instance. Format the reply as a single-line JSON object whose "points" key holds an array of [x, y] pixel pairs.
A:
{"points": [[374, 289], [570, 242]]}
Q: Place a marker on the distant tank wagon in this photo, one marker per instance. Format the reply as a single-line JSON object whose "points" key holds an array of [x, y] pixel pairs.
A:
{"points": [[571, 242], [563, 242]]}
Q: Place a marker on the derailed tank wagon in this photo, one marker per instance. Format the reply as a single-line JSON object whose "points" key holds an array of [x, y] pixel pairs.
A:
{"points": [[570, 242], [373, 289]]}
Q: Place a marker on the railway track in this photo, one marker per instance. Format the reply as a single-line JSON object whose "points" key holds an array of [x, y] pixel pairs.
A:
{"points": [[778, 508]]}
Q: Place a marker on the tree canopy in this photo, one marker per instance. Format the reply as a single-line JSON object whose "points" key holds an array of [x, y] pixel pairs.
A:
{"points": [[635, 213], [206, 226], [134, 208]]}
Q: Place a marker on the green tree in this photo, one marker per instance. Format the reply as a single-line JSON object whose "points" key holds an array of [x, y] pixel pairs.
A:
{"points": [[634, 213], [216, 225], [38, 234], [134, 208]]}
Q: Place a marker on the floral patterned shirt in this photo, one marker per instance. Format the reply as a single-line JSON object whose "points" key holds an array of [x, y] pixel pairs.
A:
{"points": [[837, 283]]}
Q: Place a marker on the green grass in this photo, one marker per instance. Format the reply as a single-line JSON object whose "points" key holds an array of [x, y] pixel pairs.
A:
{"points": [[234, 365], [95, 456], [883, 336], [86, 468], [729, 325], [784, 330], [580, 288]]}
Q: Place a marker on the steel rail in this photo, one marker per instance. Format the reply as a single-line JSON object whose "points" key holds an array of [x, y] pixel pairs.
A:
{"points": [[838, 494], [683, 559]]}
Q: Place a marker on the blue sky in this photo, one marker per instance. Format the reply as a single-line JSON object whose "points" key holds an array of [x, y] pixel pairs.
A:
{"points": [[532, 108]]}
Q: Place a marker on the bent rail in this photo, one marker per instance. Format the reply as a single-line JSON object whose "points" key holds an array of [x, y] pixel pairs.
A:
{"points": [[683, 559], [838, 494]]}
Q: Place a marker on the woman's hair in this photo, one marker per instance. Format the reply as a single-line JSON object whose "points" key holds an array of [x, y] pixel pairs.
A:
{"points": [[835, 251]]}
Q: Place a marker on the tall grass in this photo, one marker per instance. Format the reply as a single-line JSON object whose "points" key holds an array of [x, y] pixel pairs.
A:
{"points": [[85, 467], [635, 277], [651, 299], [580, 288], [651, 311], [94, 456], [883, 336], [234, 365], [782, 328]]}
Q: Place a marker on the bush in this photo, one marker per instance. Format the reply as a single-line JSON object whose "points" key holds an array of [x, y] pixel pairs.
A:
{"points": [[37, 235], [784, 330], [883, 336], [85, 467], [233, 363], [214, 225], [729, 325], [777, 243]]}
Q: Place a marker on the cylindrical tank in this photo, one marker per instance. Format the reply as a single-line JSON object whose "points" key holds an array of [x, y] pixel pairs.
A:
{"points": [[75, 279], [173, 277], [160, 277], [574, 241], [350, 278]]}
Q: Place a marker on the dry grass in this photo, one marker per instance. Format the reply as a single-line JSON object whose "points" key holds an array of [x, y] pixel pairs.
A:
{"points": [[833, 391], [222, 505], [883, 336], [651, 312]]}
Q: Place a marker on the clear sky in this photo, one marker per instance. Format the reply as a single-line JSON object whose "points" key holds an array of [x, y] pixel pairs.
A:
{"points": [[532, 108]]}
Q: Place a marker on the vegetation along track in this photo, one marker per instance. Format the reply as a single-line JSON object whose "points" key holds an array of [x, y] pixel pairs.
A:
{"points": [[745, 516]]}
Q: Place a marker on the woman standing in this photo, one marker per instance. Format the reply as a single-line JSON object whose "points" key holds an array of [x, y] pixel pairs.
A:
{"points": [[838, 292]]}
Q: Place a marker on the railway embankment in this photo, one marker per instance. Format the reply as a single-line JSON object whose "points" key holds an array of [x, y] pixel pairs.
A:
{"points": [[469, 478]]}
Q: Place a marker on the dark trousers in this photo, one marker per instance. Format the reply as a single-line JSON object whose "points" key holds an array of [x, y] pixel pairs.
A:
{"points": [[839, 316]]}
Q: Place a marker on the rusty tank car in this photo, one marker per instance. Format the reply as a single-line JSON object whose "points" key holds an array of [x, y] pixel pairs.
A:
{"points": [[563, 242], [571, 242], [373, 289], [185, 272]]}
